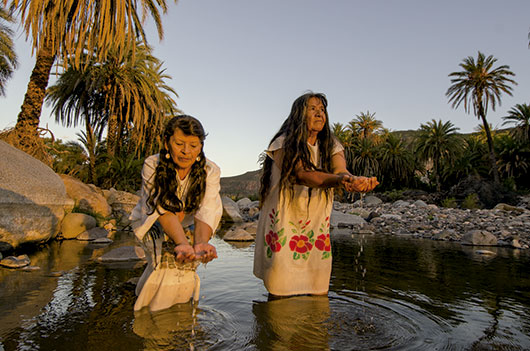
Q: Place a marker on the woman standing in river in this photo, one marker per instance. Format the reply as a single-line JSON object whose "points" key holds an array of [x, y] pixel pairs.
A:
{"points": [[302, 165]]}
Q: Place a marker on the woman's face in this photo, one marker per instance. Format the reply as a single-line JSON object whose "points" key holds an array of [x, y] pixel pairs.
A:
{"points": [[183, 149], [315, 115]]}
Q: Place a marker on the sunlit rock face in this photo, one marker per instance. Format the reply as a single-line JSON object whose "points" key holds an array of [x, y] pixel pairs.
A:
{"points": [[33, 198]]}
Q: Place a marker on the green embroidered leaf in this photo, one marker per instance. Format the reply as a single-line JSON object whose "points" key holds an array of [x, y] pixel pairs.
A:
{"points": [[305, 256], [296, 255], [326, 254], [294, 230], [283, 240], [291, 223], [310, 234], [280, 232], [269, 252]]}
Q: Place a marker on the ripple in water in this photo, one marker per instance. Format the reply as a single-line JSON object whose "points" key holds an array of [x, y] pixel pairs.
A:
{"points": [[184, 327], [367, 323]]}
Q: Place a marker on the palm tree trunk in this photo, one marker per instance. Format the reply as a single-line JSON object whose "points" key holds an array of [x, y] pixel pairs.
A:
{"points": [[489, 139], [29, 116], [112, 134], [91, 146]]}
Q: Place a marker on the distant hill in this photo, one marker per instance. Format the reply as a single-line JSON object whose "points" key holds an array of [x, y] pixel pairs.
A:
{"points": [[244, 185]]}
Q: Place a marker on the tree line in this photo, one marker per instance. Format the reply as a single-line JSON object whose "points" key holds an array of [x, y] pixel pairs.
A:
{"points": [[111, 84]]}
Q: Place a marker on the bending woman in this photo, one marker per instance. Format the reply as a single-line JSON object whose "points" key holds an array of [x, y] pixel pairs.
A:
{"points": [[302, 165], [179, 207]]}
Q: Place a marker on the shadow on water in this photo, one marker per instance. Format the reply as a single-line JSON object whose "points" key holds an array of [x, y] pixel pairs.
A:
{"points": [[386, 293]]}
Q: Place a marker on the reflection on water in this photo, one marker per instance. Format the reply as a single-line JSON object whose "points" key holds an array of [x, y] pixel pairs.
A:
{"points": [[294, 323], [386, 293]]}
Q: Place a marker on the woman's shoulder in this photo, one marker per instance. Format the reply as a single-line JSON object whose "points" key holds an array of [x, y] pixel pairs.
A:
{"points": [[277, 143], [212, 168], [152, 160]]}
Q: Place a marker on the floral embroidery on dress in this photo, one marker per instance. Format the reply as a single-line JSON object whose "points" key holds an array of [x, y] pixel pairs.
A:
{"points": [[323, 242], [301, 242], [274, 240]]}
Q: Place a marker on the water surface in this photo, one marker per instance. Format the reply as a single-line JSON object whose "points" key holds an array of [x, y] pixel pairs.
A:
{"points": [[386, 293]]}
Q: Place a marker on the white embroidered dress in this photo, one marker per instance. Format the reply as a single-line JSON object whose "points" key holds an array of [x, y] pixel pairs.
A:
{"points": [[293, 249], [165, 288]]}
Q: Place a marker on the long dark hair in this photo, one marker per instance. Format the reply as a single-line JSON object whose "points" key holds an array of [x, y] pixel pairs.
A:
{"points": [[164, 191], [294, 128]]}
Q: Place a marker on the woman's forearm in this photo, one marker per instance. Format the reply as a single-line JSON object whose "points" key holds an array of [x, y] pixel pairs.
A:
{"points": [[171, 224], [202, 233], [317, 179]]}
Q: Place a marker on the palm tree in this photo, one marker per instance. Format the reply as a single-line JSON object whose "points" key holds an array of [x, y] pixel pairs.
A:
{"points": [[127, 94], [65, 29], [341, 133], [397, 161], [513, 159], [8, 57], [520, 115], [366, 124], [438, 143], [480, 85], [362, 158]]}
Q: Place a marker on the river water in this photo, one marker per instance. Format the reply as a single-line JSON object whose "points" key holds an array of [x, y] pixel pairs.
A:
{"points": [[386, 293]]}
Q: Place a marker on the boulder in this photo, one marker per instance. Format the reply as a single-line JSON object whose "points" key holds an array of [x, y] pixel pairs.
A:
{"points": [[33, 199], [339, 219], [85, 197], [122, 204], [74, 224], [244, 203], [479, 238], [123, 254], [15, 262], [93, 234], [372, 200], [231, 210], [238, 234]]}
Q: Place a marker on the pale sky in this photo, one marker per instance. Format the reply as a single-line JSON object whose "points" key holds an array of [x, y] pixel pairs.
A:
{"points": [[238, 65]]}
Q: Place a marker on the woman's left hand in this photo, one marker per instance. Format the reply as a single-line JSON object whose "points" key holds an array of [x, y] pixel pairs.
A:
{"points": [[205, 252]]}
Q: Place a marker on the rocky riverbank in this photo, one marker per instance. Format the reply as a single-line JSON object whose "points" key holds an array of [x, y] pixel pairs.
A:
{"points": [[504, 225]]}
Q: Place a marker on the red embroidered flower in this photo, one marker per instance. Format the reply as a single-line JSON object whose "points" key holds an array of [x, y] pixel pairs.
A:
{"points": [[272, 240], [323, 243], [300, 244]]}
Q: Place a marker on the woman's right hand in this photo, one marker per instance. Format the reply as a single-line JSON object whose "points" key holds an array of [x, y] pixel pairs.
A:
{"points": [[184, 253]]}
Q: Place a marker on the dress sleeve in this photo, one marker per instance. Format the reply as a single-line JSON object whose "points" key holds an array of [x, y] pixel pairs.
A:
{"points": [[141, 222], [337, 146], [211, 207]]}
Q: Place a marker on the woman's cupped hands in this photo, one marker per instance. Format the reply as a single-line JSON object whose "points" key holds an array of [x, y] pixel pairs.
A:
{"points": [[203, 252], [359, 184]]}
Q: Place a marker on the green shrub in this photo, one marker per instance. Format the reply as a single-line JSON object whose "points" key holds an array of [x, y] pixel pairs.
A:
{"points": [[471, 201], [449, 202]]}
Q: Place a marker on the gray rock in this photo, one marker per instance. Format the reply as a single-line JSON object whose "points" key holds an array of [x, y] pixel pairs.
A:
{"points": [[74, 224], [102, 241], [93, 234], [123, 254], [244, 203], [15, 262], [506, 207], [33, 199], [238, 234], [339, 219], [420, 203], [372, 200], [391, 216], [400, 203], [86, 197], [231, 210], [479, 238]]}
